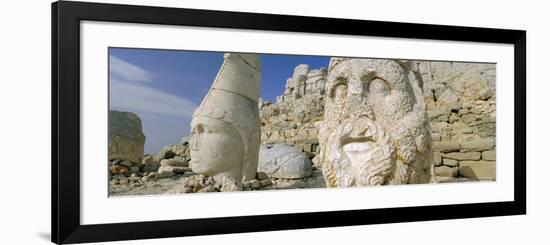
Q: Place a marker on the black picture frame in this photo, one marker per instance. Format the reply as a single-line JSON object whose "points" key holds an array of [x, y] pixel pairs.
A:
{"points": [[66, 17]]}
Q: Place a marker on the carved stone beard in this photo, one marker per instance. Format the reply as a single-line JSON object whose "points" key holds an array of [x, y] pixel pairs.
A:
{"points": [[362, 152], [340, 109]]}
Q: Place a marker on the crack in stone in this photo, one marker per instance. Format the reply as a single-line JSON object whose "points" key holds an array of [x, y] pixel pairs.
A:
{"points": [[246, 62], [235, 93]]}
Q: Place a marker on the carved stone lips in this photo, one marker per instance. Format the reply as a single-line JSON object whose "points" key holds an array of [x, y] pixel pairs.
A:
{"points": [[358, 146], [359, 152], [358, 143]]}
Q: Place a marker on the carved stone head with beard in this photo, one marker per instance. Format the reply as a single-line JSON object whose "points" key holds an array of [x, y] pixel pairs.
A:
{"points": [[375, 129]]}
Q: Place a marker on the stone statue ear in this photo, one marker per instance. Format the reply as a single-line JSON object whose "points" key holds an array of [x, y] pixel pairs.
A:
{"points": [[414, 78]]}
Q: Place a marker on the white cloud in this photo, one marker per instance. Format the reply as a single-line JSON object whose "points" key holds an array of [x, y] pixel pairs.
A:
{"points": [[127, 71], [137, 98]]}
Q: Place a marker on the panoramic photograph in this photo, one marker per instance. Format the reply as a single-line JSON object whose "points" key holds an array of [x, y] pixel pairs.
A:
{"points": [[183, 122]]}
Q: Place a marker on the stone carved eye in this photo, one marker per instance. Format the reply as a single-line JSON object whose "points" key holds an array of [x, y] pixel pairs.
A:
{"points": [[367, 78], [378, 86], [339, 90]]}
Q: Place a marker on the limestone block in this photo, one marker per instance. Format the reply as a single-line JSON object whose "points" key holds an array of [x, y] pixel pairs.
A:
{"points": [[484, 144], [448, 97], [439, 112], [450, 162], [489, 155], [446, 171], [468, 118], [175, 162], [167, 171], [483, 170], [446, 146], [463, 155]]}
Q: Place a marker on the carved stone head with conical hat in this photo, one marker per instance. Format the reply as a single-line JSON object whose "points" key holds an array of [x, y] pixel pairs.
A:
{"points": [[225, 130]]}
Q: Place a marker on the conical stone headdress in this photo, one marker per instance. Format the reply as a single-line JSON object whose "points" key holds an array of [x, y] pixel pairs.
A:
{"points": [[233, 98]]}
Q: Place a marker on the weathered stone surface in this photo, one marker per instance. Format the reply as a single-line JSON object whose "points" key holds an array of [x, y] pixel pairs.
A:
{"points": [[149, 164], [483, 170], [118, 176], [372, 106], [292, 119], [453, 118], [438, 113], [446, 171], [134, 169], [165, 171], [266, 182], [176, 162], [262, 176], [123, 181], [463, 155], [117, 169], [225, 129], [450, 162], [283, 161], [448, 97], [468, 118], [471, 117], [489, 155], [437, 158], [446, 146], [165, 153], [150, 177], [126, 139], [148, 159], [125, 163], [479, 145]]}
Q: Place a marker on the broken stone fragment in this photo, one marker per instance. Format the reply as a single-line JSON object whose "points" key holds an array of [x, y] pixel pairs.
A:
{"points": [[284, 161], [126, 139]]}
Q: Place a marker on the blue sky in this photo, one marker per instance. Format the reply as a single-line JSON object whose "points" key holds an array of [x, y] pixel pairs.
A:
{"points": [[164, 87]]}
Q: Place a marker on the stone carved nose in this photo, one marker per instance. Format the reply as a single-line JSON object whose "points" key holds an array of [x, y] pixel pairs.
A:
{"points": [[194, 143]]}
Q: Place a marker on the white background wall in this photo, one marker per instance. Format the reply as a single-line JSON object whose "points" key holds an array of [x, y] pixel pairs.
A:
{"points": [[25, 121]]}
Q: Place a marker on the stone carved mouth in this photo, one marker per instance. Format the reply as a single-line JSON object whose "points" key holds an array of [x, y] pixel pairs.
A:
{"points": [[358, 150]]}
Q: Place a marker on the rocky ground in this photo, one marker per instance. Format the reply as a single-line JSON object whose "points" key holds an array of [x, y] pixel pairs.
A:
{"points": [[131, 186]]}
